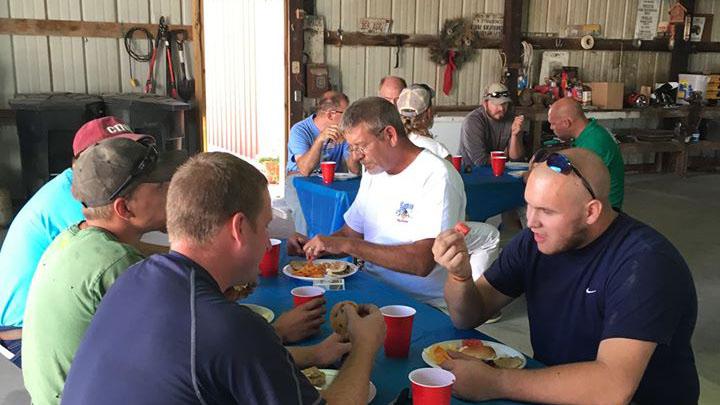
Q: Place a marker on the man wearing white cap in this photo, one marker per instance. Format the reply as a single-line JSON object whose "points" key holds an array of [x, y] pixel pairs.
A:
{"points": [[492, 126], [415, 107]]}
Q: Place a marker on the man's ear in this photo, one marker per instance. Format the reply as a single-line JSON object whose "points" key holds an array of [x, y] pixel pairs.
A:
{"points": [[236, 226], [593, 209], [392, 135], [121, 209]]}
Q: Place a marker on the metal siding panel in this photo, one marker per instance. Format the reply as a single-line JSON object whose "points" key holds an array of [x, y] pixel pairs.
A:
{"points": [[330, 9], [403, 15], [577, 12], [630, 69], [134, 11], [186, 10], [491, 72], [32, 64], [102, 65], [27, 9], [7, 71], [537, 15], [377, 59], [468, 77], [611, 68], [170, 9], [662, 67], [68, 69], [99, 10], [332, 59], [597, 12], [592, 66], [557, 16], [448, 9], [63, 10], [427, 15], [352, 65], [424, 70], [351, 12], [645, 69], [630, 17], [10, 165], [615, 19], [495, 6]]}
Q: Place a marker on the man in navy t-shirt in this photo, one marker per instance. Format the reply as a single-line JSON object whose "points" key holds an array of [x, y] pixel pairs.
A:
{"points": [[165, 333], [611, 302]]}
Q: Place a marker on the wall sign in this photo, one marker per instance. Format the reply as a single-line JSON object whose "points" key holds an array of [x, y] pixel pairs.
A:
{"points": [[648, 13], [488, 25]]}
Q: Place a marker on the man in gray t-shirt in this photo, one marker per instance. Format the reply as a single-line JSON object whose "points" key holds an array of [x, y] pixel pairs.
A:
{"points": [[493, 126]]}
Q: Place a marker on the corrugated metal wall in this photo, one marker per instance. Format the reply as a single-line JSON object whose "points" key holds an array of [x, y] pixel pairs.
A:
{"points": [[30, 64], [357, 70]]}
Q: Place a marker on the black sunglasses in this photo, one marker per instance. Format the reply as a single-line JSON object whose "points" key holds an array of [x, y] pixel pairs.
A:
{"points": [[141, 166], [561, 164], [498, 94]]}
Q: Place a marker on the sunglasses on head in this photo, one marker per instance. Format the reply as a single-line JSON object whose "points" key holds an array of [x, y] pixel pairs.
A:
{"points": [[498, 94], [141, 166], [561, 164]]}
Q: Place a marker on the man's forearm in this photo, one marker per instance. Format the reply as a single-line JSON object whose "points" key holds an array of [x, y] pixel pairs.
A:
{"points": [[589, 382], [464, 303], [516, 150], [350, 386], [411, 258], [309, 160]]}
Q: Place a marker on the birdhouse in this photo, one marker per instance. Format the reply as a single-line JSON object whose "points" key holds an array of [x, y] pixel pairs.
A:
{"points": [[677, 13]]}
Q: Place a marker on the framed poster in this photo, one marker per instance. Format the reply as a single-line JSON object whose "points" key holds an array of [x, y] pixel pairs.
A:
{"points": [[648, 13]]}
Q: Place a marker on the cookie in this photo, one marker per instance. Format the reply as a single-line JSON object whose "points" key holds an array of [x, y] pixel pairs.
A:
{"points": [[338, 319]]}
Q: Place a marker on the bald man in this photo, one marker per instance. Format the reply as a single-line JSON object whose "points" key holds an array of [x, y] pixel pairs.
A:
{"points": [[390, 88], [611, 302], [568, 121]]}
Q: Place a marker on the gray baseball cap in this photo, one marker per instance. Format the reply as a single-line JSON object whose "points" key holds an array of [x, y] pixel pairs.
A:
{"points": [[112, 167], [497, 93]]}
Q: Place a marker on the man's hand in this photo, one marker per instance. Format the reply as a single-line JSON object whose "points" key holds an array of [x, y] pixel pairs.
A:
{"points": [[322, 245], [295, 244], [331, 133], [474, 380], [330, 350], [517, 125], [450, 251], [366, 326], [301, 322]]}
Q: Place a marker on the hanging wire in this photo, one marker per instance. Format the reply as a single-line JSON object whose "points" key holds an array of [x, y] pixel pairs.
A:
{"points": [[130, 47]]}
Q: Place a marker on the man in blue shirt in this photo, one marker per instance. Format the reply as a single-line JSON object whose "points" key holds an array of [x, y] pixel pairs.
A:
{"points": [[611, 302], [164, 333], [46, 214]]}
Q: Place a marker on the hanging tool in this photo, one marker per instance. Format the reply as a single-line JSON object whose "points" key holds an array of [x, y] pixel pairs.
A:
{"points": [[150, 83], [186, 86], [134, 54], [172, 88], [398, 44]]}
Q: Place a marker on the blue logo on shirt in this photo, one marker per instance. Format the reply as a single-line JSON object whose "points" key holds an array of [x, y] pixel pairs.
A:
{"points": [[403, 213]]}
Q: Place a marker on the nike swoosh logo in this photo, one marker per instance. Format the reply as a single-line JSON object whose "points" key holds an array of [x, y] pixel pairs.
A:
{"points": [[589, 291]]}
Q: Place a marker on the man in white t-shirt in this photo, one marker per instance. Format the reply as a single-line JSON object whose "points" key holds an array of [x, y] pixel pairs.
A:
{"points": [[407, 197]]}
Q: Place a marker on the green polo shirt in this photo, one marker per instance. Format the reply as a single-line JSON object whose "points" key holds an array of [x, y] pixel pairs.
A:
{"points": [[597, 139], [73, 275]]}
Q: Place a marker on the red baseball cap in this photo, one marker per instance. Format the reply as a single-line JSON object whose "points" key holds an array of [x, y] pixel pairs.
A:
{"points": [[96, 130]]}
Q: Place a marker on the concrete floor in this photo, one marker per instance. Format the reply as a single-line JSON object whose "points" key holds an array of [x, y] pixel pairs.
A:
{"points": [[687, 211]]}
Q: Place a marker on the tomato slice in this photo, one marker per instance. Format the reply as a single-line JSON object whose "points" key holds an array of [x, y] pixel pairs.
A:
{"points": [[462, 228], [472, 342]]}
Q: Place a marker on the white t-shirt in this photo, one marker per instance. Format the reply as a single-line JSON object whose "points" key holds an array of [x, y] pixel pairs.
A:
{"points": [[430, 144], [423, 200]]}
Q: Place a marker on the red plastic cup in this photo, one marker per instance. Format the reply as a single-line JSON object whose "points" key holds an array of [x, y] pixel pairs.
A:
{"points": [[457, 162], [328, 172], [497, 153], [302, 295], [498, 164], [431, 386], [270, 262], [399, 320]]}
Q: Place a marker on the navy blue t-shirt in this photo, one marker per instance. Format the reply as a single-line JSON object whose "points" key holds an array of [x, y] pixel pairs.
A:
{"points": [[137, 349], [631, 283]]}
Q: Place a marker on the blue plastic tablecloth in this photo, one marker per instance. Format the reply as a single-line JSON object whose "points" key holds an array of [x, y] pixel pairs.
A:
{"points": [[323, 205], [389, 375]]}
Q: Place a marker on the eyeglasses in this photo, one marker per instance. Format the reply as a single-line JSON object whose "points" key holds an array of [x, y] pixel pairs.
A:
{"points": [[361, 149], [498, 94], [141, 167], [561, 164], [337, 111]]}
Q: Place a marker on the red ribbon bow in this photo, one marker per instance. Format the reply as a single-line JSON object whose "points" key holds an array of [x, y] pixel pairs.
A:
{"points": [[449, 70]]}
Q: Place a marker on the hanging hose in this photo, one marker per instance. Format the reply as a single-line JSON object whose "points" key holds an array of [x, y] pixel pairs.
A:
{"points": [[135, 54]]}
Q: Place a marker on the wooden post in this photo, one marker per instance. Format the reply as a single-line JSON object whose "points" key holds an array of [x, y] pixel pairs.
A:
{"points": [[681, 52], [293, 63], [199, 69], [512, 37]]}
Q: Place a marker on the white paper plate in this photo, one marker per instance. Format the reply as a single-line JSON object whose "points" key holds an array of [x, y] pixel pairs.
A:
{"points": [[517, 165], [287, 270], [345, 176], [265, 312], [500, 351], [330, 376], [516, 173]]}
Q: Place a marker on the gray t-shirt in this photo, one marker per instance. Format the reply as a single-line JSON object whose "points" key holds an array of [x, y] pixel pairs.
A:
{"points": [[481, 134]]}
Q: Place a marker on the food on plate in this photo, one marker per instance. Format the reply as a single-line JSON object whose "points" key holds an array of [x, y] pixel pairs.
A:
{"points": [[319, 269], [338, 318], [462, 228], [508, 362], [316, 377], [479, 351]]}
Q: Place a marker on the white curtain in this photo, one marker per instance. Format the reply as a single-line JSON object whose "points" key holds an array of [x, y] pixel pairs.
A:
{"points": [[245, 77]]}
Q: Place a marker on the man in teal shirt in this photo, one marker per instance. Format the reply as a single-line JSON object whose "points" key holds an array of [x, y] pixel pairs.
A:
{"points": [[50, 211], [568, 121]]}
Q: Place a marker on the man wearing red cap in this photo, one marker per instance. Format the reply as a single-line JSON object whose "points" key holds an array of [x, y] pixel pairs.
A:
{"points": [[46, 214]]}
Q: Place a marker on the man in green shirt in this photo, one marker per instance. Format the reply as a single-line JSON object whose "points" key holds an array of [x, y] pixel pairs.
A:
{"points": [[568, 121], [122, 184]]}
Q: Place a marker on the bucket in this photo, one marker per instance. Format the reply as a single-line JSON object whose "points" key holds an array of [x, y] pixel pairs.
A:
{"points": [[691, 83]]}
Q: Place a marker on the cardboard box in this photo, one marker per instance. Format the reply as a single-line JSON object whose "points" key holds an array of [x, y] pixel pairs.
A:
{"points": [[607, 95]]}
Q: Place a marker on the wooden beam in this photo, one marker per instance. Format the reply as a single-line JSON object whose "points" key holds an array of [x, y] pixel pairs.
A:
{"points": [[545, 43], [199, 69], [512, 22], [294, 45], [681, 52], [68, 28]]}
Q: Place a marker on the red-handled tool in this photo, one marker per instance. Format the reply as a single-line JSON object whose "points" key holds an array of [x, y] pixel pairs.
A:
{"points": [[150, 83]]}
